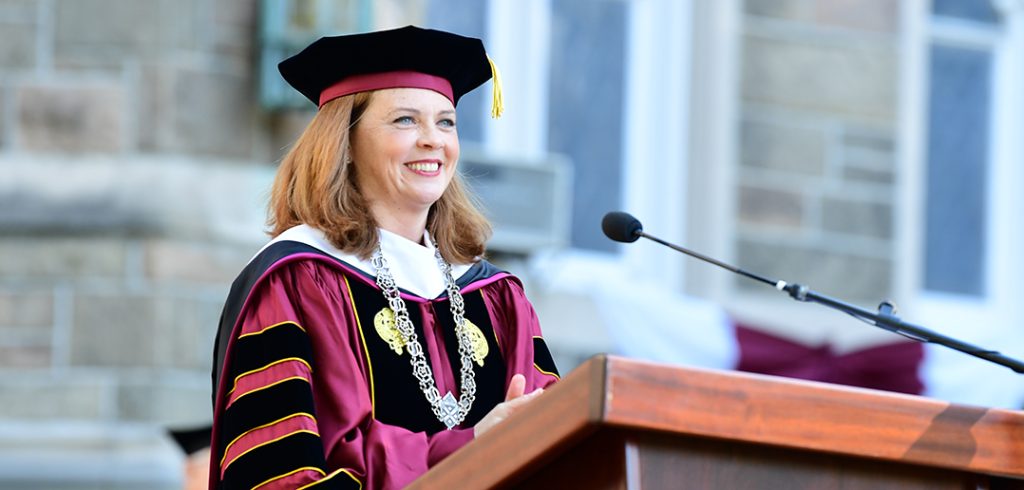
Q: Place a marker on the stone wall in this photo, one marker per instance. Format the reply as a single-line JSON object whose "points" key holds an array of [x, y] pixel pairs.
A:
{"points": [[815, 181], [135, 161], [134, 158], [113, 270], [124, 76]]}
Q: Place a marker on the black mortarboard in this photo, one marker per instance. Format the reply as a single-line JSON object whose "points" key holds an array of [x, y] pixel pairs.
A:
{"points": [[192, 439], [407, 57]]}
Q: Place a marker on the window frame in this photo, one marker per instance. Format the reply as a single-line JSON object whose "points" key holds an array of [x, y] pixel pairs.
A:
{"points": [[651, 190], [987, 320]]}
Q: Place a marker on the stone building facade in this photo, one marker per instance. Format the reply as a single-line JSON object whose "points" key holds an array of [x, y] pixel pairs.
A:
{"points": [[818, 130], [813, 188], [135, 158], [135, 161]]}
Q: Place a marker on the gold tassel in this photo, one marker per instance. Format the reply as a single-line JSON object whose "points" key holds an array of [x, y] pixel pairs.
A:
{"points": [[497, 99]]}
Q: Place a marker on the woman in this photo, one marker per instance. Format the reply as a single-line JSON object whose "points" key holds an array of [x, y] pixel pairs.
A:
{"points": [[369, 339]]}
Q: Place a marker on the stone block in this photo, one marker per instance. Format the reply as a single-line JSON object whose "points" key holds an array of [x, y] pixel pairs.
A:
{"points": [[25, 357], [769, 207], [22, 307], [4, 137], [868, 139], [183, 23], [868, 175], [63, 258], [18, 11], [194, 262], [104, 31], [26, 336], [159, 401], [388, 14], [155, 108], [794, 10], [244, 12], [284, 128], [24, 348], [41, 397], [57, 196], [843, 275], [70, 118], [184, 331], [235, 26], [782, 147], [867, 15], [868, 156], [854, 217], [839, 76], [214, 113], [113, 330], [87, 455], [862, 157], [17, 47], [868, 149], [133, 197]]}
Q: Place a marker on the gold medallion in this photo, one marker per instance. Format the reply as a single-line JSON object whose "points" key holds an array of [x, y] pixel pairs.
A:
{"points": [[479, 342], [384, 323]]}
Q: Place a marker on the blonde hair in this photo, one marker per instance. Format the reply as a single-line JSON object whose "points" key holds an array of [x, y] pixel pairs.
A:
{"points": [[315, 185]]}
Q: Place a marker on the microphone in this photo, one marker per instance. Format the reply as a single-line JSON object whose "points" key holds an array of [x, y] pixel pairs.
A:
{"points": [[623, 227]]}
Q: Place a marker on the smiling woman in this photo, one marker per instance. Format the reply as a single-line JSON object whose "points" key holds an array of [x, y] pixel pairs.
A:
{"points": [[317, 185], [405, 149], [370, 339]]}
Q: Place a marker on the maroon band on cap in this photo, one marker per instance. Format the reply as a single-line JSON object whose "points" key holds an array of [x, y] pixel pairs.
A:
{"points": [[392, 79]]}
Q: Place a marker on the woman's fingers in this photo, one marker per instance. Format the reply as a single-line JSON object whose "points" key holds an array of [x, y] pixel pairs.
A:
{"points": [[514, 401], [514, 404], [516, 387]]}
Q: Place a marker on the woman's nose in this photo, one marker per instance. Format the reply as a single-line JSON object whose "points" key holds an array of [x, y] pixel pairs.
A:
{"points": [[430, 137]]}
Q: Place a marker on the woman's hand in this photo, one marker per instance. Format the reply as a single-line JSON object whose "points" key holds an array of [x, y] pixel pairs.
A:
{"points": [[515, 400]]}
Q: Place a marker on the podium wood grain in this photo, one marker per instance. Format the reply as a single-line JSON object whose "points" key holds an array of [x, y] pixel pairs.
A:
{"points": [[619, 423]]}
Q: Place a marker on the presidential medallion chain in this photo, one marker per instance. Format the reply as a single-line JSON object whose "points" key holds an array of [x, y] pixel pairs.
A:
{"points": [[449, 410]]}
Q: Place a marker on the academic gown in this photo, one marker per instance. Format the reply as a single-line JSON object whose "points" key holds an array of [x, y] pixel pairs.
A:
{"points": [[308, 392]]}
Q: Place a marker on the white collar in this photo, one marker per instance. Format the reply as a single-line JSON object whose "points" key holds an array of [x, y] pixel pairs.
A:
{"points": [[413, 266]]}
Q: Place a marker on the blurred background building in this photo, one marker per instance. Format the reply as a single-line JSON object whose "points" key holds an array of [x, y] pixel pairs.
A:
{"points": [[870, 149]]}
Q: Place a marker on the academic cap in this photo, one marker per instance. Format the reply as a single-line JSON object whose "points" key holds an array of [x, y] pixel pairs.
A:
{"points": [[447, 63], [191, 439]]}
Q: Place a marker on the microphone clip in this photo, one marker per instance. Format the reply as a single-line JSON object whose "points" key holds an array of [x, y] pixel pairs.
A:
{"points": [[796, 291]]}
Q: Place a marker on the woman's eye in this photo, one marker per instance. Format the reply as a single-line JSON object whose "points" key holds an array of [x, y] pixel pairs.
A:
{"points": [[405, 120], [446, 123]]}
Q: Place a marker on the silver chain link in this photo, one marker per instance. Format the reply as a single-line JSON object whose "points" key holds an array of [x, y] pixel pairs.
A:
{"points": [[420, 368]]}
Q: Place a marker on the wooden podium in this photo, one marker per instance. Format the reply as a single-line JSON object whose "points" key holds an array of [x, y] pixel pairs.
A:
{"points": [[618, 423]]}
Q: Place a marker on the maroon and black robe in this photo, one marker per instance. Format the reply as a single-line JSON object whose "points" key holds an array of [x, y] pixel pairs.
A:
{"points": [[308, 395]]}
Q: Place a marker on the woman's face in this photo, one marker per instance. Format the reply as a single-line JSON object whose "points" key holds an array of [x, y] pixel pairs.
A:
{"points": [[405, 148]]}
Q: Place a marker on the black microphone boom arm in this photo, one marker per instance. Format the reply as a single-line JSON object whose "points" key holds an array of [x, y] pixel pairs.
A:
{"points": [[886, 319], [705, 258], [623, 227]]}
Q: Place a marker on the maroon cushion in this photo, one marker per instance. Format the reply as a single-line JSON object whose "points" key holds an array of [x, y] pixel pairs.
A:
{"points": [[891, 367]]}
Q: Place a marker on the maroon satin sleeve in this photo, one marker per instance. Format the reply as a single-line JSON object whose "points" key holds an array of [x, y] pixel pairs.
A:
{"points": [[518, 332]]}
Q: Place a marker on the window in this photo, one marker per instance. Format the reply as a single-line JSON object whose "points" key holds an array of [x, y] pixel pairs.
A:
{"points": [[971, 10], [963, 38], [586, 109], [287, 26], [961, 186]]}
